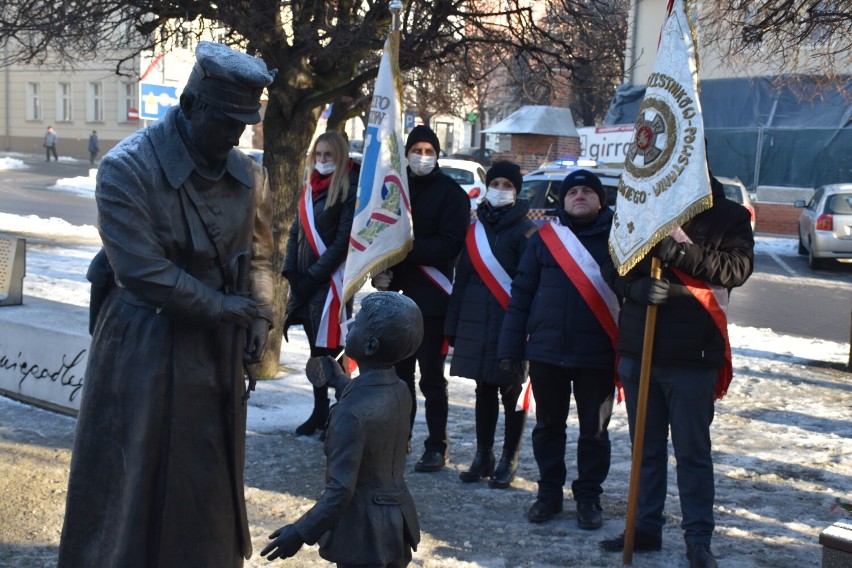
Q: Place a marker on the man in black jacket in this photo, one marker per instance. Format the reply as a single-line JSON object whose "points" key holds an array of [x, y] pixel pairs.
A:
{"points": [[713, 253], [440, 211]]}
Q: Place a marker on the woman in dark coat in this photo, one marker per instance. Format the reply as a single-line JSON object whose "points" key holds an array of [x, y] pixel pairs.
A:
{"points": [[475, 315], [316, 252]]}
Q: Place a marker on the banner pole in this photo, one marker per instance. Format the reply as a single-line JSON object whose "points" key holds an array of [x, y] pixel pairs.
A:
{"points": [[395, 9], [639, 426]]}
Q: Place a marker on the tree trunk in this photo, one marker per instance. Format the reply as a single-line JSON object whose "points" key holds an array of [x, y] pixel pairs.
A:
{"points": [[284, 158]]}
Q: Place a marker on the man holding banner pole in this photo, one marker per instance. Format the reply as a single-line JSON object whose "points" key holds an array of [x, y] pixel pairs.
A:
{"points": [[381, 243], [675, 358], [440, 210]]}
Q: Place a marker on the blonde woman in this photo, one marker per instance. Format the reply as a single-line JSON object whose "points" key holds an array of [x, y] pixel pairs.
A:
{"points": [[316, 252]]}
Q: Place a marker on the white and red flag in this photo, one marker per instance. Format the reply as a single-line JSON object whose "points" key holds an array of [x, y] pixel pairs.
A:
{"points": [[665, 180], [381, 229]]}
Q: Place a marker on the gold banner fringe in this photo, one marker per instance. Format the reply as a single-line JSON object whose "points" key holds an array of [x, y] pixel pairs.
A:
{"points": [[702, 204]]}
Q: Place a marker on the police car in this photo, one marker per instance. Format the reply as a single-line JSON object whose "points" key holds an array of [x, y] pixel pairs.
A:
{"points": [[541, 187]]}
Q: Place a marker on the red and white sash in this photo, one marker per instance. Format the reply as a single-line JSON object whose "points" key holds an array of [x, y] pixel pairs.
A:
{"points": [[487, 266], [445, 284], [438, 279], [585, 274], [329, 334], [714, 299]]}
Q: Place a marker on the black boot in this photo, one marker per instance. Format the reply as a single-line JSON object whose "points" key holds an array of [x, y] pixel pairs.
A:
{"points": [[482, 466], [508, 466], [505, 472], [316, 421]]}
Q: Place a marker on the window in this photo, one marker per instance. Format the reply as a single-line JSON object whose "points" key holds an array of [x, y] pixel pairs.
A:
{"points": [[63, 102], [126, 99], [33, 101], [95, 102]]}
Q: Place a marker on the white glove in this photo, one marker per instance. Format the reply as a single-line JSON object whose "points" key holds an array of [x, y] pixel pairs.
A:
{"points": [[382, 280]]}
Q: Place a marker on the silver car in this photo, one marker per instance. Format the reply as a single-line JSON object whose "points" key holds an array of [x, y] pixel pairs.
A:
{"points": [[736, 192], [825, 225]]}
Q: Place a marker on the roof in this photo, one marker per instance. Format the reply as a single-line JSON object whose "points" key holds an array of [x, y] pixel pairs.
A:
{"points": [[534, 119]]}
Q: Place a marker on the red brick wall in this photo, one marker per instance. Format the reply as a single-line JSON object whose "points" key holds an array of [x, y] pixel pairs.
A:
{"points": [[530, 151], [776, 218]]}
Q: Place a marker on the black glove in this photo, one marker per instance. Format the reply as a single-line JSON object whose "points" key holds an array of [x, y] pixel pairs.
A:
{"points": [[286, 544], [256, 339], [648, 291], [512, 370], [305, 287], [238, 310], [671, 252]]}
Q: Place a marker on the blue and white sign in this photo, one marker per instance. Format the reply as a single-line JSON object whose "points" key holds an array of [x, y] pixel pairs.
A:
{"points": [[156, 100]]}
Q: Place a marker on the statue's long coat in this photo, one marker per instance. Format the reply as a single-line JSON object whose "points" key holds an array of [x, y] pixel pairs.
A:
{"points": [[157, 467]]}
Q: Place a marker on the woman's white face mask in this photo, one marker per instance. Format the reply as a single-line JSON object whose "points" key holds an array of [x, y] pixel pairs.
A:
{"points": [[421, 165], [500, 197], [324, 168]]}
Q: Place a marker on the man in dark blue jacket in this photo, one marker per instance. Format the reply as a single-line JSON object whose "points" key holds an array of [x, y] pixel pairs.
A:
{"points": [[550, 323], [689, 357]]}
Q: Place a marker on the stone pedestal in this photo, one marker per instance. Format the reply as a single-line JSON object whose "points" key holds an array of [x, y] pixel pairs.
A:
{"points": [[836, 543], [44, 348]]}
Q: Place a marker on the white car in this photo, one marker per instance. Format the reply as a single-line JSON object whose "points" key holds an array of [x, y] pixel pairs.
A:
{"points": [[469, 175]]}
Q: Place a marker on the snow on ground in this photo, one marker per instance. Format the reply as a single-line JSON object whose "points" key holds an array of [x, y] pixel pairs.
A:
{"points": [[781, 437]]}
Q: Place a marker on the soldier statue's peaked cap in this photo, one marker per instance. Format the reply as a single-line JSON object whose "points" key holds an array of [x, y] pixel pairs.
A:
{"points": [[229, 80]]}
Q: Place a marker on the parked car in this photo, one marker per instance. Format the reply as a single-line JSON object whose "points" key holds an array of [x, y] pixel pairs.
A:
{"points": [[825, 225], [469, 175], [541, 188], [481, 155], [736, 191]]}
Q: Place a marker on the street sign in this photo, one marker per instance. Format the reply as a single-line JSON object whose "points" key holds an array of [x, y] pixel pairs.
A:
{"points": [[156, 100], [409, 120], [472, 116], [133, 114]]}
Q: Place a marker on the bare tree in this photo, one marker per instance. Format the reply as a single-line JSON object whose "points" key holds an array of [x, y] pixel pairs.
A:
{"points": [[325, 52], [813, 36]]}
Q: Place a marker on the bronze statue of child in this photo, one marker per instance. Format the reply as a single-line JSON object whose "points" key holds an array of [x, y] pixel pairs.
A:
{"points": [[365, 515]]}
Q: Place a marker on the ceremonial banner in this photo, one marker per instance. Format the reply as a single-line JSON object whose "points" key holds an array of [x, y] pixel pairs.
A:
{"points": [[665, 181], [381, 230]]}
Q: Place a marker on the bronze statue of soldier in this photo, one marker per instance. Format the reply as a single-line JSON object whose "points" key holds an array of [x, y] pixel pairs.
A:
{"points": [[183, 294]]}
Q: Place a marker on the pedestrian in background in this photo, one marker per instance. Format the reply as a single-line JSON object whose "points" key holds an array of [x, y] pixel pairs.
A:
{"points": [[690, 367], [489, 261], [93, 147], [316, 253], [569, 345], [440, 212], [50, 144]]}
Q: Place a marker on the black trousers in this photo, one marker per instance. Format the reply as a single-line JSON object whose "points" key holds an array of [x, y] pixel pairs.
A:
{"points": [[433, 384], [487, 413], [594, 393]]}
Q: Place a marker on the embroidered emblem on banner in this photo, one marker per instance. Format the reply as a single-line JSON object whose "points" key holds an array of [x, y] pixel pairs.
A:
{"points": [[665, 181]]}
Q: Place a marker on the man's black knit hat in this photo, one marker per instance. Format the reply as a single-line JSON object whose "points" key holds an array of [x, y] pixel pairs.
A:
{"points": [[422, 133], [582, 177]]}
